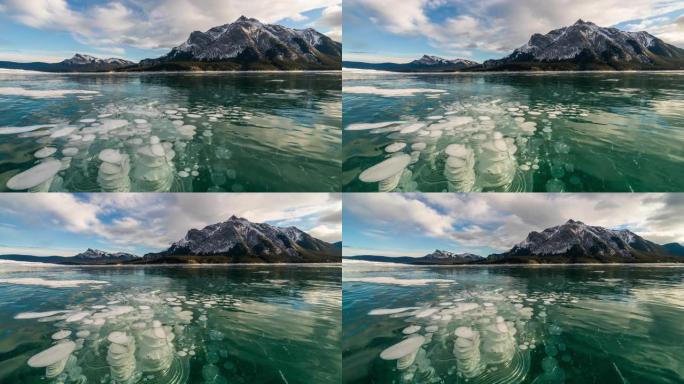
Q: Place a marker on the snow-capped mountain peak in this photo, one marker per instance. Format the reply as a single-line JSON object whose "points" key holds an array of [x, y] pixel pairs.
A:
{"points": [[446, 255], [569, 42], [589, 46], [242, 239], [96, 254], [83, 59], [431, 60], [583, 238], [249, 40]]}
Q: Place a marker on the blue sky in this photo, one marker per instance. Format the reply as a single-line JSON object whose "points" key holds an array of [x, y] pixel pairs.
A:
{"points": [[51, 30], [487, 29], [66, 224], [393, 224]]}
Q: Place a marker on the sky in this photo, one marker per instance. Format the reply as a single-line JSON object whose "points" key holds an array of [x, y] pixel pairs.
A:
{"points": [[63, 224], [52, 30], [394, 224], [375, 31]]}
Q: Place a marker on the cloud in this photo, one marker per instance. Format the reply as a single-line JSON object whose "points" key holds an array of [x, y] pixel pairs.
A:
{"points": [[111, 50], [152, 23], [499, 221], [331, 20], [157, 220], [499, 26], [398, 212], [327, 232]]}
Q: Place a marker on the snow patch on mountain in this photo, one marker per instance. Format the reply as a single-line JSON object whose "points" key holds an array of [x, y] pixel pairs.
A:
{"points": [[249, 36], [82, 59]]}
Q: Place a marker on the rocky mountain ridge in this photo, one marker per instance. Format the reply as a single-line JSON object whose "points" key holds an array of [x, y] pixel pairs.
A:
{"points": [[248, 43], [585, 45], [238, 240]]}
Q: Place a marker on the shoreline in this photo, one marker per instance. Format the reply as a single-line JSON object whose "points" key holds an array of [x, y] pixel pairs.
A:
{"points": [[375, 263], [32, 72], [384, 72], [37, 263]]}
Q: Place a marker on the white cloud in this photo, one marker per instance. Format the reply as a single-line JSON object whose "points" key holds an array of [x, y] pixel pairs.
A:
{"points": [[331, 21], [501, 220], [152, 23], [327, 232], [503, 25], [397, 211], [156, 220], [110, 51]]}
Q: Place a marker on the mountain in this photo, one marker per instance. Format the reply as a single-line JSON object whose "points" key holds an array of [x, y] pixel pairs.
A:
{"points": [[586, 46], [248, 44], [445, 257], [437, 257], [90, 256], [576, 242], [238, 240], [79, 59], [77, 63], [434, 61], [95, 256], [424, 64], [675, 248]]}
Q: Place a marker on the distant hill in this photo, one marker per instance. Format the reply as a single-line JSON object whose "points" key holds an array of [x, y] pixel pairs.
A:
{"points": [[383, 259], [37, 259], [437, 257], [89, 257], [95, 256], [238, 240], [78, 63], [586, 46], [424, 64]]}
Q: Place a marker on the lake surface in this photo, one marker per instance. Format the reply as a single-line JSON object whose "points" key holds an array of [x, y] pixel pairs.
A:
{"points": [[552, 324], [211, 324], [229, 132], [577, 132]]}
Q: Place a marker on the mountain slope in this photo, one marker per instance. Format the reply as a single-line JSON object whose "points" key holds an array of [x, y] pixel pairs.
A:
{"points": [[586, 46], [77, 63], [249, 44], [238, 240], [675, 248], [576, 242], [424, 64]]}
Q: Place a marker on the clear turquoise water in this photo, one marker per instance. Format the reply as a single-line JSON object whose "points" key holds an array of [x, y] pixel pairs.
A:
{"points": [[590, 324], [253, 131], [607, 132], [249, 324]]}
